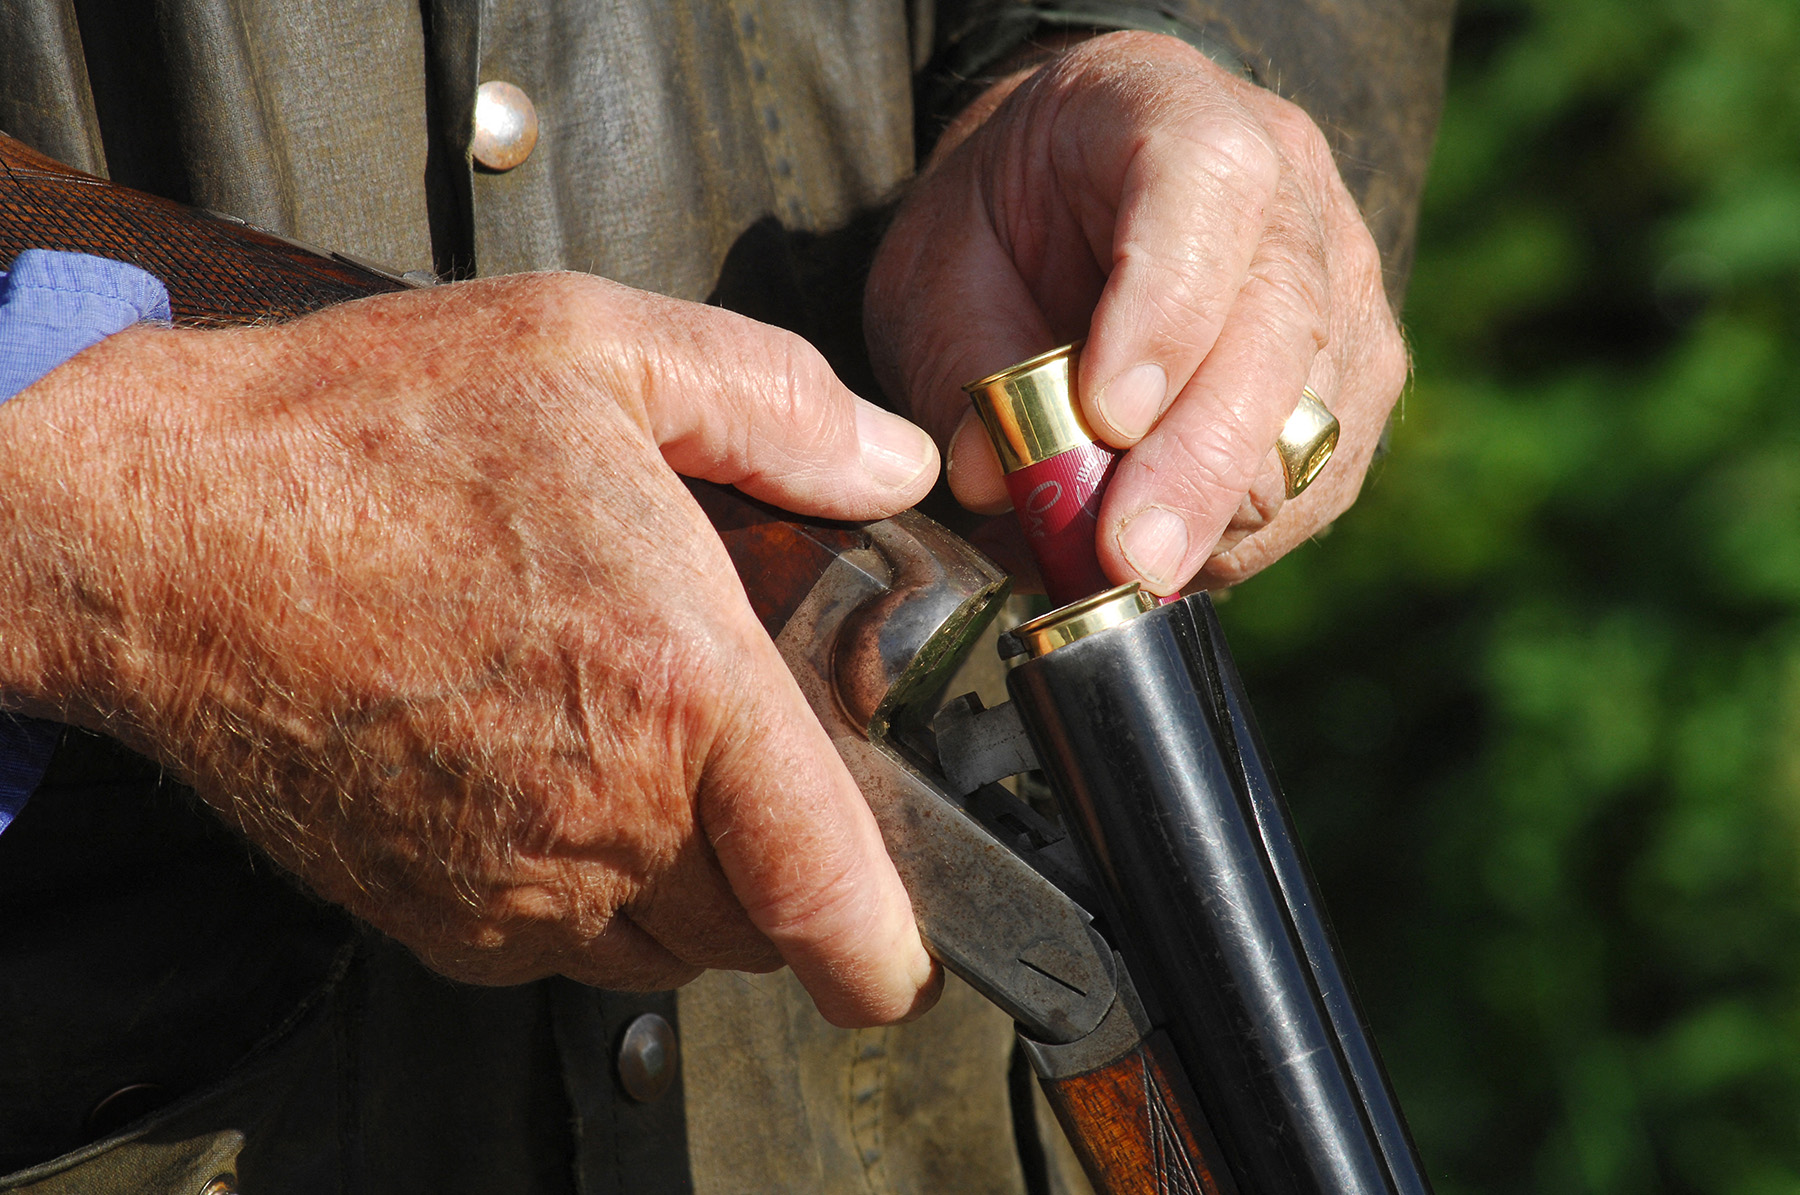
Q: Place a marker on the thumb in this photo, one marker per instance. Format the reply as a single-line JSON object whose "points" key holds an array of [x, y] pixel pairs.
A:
{"points": [[741, 403]]}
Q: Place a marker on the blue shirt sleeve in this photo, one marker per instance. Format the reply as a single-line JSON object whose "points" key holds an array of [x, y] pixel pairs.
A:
{"points": [[53, 305]]}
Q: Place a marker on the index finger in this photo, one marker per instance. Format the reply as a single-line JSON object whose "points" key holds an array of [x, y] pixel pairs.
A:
{"points": [[1194, 181], [804, 855]]}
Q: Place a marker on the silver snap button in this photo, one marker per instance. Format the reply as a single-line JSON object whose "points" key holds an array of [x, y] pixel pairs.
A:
{"points": [[648, 1058], [506, 125]]}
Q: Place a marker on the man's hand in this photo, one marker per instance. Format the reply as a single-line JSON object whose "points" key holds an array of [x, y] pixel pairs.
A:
{"points": [[411, 591], [1194, 228]]}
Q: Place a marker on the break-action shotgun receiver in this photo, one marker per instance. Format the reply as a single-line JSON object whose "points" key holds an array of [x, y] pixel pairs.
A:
{"points": [[1159, 945]]}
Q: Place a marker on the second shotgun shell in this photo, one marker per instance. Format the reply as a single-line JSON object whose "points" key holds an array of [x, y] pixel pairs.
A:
{"points": [[1055, 468]]}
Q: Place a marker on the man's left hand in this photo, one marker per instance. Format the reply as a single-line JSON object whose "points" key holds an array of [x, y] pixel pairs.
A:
{"points": [[1194, 228]]}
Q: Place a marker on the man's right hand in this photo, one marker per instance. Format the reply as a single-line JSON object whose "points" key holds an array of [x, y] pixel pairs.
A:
{"points": [[411, 592]]}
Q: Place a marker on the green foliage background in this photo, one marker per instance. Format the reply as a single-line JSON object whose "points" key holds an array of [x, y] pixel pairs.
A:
{"points": [[1536, 699]]}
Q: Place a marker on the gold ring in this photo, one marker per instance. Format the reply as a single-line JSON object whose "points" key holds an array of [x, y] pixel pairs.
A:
{"points": [[1306, 442]]}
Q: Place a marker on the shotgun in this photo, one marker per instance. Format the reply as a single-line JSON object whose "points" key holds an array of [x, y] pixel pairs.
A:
{"points": [[1159, 945]]}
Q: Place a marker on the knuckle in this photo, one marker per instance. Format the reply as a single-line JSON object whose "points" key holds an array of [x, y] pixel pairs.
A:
{"points": [[1136, 43], [802, 374], [823, 906], [632, 711], [1364, 263], [791, 402], [1262, 503], [634, 975], [1233, 150], [1294, 300], [1178, 284], [692, 924], [1351, 240], [484, 951], [1213, 464], [1298, 134], [754, 955], [1392, 363], [669, 666], [567, 303], [1292, 279], [1233, 567], [798, 377], [625, 957], [494, 971]]}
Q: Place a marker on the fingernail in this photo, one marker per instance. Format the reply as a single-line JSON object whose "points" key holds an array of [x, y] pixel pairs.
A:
{"points": [[1134, 399], [921, 969], [1155, 542], [950, 450], [979, 485], [894, 451], [929, 985]]}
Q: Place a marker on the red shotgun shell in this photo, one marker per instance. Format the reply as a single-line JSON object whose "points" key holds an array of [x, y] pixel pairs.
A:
{"points": [[1056, 470]]}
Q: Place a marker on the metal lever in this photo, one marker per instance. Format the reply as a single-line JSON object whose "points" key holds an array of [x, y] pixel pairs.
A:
{"points": [[877, 632], [978, 746]]}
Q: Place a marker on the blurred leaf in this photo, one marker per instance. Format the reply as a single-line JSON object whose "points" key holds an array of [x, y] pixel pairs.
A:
{"points": [[1537, 698]]}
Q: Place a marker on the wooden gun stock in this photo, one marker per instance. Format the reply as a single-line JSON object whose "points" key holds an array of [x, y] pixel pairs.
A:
{"points": [[1132, 1125]]}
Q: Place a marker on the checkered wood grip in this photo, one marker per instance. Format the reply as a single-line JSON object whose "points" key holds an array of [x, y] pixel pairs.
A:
{"points": [[218, 270]]}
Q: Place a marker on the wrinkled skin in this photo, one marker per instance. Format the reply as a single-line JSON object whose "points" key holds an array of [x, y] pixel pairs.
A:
{"points": [[410, 590], [1194, 229]]}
